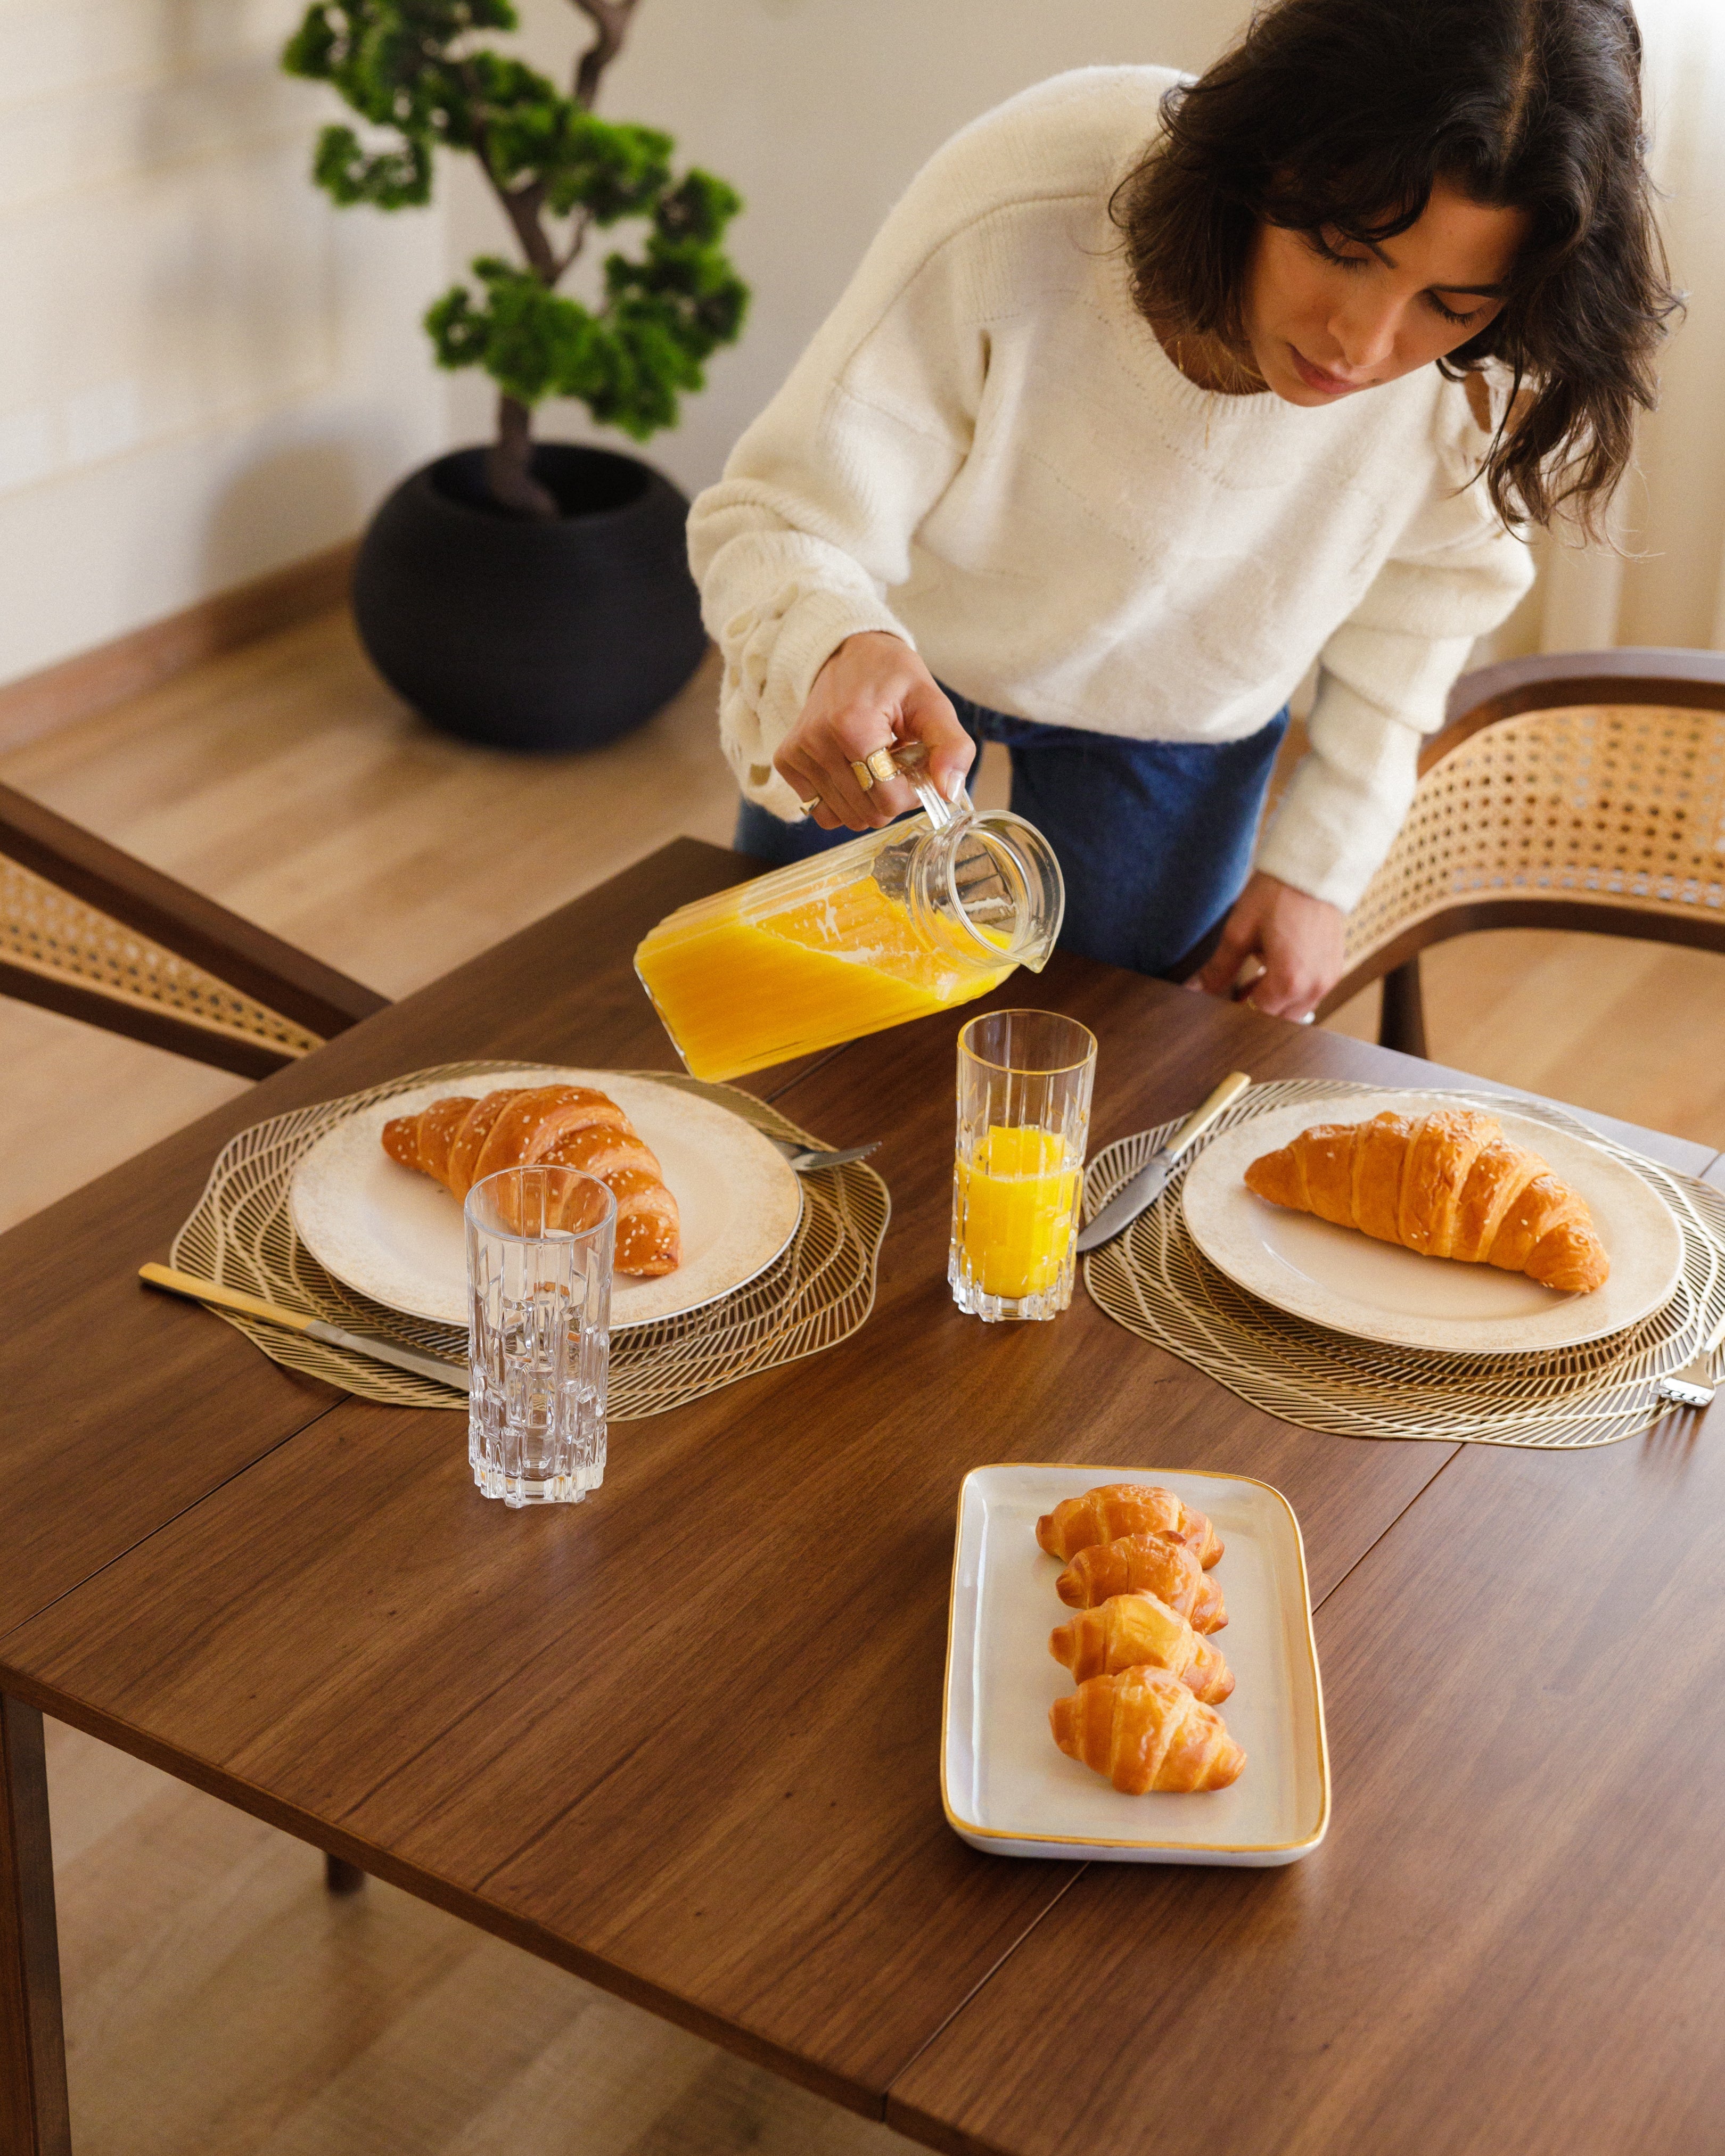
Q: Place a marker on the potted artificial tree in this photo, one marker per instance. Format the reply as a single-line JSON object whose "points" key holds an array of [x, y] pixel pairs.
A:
{"points": [[533, 594]]}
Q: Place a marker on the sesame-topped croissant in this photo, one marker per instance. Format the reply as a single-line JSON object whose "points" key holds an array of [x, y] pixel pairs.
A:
{"points": [[459, 1141]]}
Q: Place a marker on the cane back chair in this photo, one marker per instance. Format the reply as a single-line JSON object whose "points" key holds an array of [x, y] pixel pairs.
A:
{"points": [[87, 931], [1585, 790]]}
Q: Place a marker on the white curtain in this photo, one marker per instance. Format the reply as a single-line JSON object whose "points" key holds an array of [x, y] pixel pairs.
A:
{"points": [[1666, 585]]}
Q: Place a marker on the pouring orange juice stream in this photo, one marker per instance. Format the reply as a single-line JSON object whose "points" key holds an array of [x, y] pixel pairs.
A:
{"points": [[864, 937]]}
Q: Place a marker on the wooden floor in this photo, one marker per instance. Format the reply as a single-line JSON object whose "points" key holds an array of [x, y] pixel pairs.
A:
{"points": [[1633, 1029], [287, 782], [219, 2003]]}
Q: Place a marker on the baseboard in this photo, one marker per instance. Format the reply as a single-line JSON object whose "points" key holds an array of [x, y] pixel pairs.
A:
{"points": [[148, 656]]}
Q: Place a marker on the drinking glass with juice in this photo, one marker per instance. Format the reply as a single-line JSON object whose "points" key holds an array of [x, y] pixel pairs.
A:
{"points": [[1025, 1081], [933, 910]]}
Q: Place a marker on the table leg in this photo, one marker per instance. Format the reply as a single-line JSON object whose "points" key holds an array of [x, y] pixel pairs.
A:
{"points": [[33, 2118], [341, 1877], [1402, 1024]]}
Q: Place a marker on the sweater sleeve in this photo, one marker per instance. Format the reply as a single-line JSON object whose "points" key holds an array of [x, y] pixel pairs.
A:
{"points": [[1385, 677], [798, 544]]}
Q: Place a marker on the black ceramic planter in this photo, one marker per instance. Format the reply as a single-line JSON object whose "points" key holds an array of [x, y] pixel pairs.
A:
{"points": [[531, 635]]}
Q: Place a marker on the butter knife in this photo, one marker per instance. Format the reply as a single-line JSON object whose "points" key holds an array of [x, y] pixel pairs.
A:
{"points": [[453, 1374], [1147, 1186]]}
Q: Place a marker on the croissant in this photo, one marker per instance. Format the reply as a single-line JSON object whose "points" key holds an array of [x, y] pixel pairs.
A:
{"points": [[460, 1141], [1144, 1564], [1129, 1630], [1126, 1509], [1145, 1730], [1449, 1185]]}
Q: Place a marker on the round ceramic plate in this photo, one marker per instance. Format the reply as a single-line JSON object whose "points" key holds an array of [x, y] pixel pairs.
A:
{"points": [[1339, 1278], [398, 1236]]}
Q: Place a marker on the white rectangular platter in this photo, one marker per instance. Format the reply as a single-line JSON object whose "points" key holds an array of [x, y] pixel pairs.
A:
{"points": [[1006, 1787]]}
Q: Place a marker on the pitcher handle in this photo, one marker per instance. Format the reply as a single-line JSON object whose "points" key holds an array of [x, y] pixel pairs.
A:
{"points": [[908, 760]]}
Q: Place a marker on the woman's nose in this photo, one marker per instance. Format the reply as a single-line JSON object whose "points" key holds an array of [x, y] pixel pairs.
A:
{"points": [[1366, 333]]}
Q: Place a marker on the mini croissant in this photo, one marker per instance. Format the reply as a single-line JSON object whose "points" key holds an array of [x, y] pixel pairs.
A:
{"points": [[1128, 1631], [460, 1141], [1144, 1564], [1449, 1185], [1126, 1509], [1145, 1730]]}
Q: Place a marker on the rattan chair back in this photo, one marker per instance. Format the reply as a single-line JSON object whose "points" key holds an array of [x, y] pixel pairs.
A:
{"points": [[57, 938], [1539, 807], [89, 931]]}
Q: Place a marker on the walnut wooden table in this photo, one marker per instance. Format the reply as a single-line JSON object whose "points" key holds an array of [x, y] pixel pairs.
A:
{"points": [[682, 1739]]}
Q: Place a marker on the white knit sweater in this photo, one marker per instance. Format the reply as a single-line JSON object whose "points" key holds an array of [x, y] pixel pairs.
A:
{"points": [[986, 450]]}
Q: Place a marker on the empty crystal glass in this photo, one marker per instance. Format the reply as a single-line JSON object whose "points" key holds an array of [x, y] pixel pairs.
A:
{"points": [[540, 1243]]}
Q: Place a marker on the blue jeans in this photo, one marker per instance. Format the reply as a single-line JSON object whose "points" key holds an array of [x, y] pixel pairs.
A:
{"points": [[1154, 838]]}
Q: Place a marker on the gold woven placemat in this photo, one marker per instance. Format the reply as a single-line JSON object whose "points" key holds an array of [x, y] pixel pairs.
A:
{"points": [[819, 1291], [1156, 1282]]}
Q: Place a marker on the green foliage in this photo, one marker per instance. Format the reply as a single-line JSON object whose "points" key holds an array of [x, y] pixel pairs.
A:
{"points": [[626, 360], [409, 70], [389, 179]]}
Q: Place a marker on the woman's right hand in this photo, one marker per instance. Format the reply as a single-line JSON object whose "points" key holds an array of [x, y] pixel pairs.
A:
{"points": [[874, 691]]}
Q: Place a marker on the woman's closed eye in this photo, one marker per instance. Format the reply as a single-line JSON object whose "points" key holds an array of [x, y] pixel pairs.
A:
{"points": [[1449, 314], [1322, 246], [1319, 245]]}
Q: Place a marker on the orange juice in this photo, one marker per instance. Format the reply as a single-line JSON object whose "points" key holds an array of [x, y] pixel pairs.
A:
{"points": [[738, 988], [1016, 1203]]}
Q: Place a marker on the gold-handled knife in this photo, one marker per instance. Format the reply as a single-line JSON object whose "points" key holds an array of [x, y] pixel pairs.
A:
{"points": [[1147, 1186], [453, 1374]]}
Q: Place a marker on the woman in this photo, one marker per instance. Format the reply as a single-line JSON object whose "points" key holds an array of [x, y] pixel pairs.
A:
{"points": [[1107, 442]]}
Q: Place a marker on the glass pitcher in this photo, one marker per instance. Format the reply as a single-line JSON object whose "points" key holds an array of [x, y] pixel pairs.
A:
{"points": [[929, 913]]}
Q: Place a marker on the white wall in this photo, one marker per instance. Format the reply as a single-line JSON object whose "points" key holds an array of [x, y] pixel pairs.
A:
{"points": [[817, 112], [1666, 583], [1672, 510], [206, 372]]}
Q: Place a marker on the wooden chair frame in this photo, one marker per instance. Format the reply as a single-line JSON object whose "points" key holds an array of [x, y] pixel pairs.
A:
{"points": [[245, 957], [249, 960], [1634, 675]]}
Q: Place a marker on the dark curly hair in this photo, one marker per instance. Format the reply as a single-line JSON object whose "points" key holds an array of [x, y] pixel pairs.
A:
{"points": [[1343, 114]]}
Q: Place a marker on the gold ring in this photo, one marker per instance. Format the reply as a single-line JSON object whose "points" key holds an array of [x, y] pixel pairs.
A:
{"points": [[881, 764], [864, 776], [810, 806]]}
